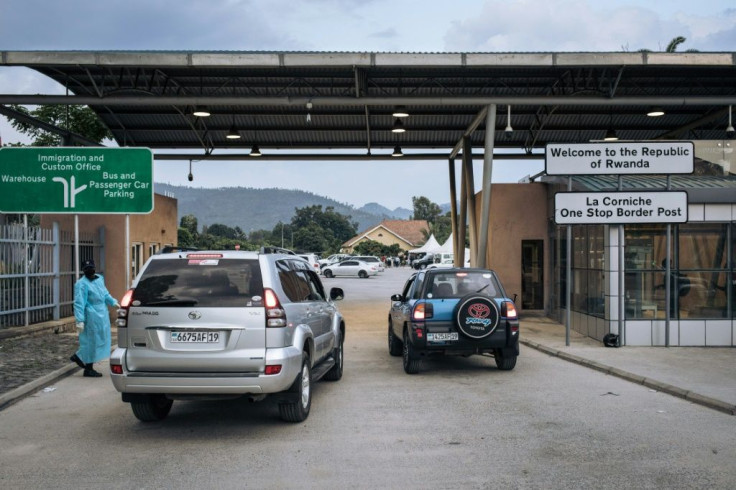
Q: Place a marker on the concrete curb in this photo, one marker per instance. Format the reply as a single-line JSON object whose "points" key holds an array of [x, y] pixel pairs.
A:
{"points": [[23, 391], [691, 396]]}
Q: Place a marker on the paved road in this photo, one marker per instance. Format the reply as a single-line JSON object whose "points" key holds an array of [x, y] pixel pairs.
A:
{"points": [[460, 423]]}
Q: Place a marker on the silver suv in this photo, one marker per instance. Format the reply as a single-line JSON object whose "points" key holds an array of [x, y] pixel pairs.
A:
{"points": [[226, 324]]}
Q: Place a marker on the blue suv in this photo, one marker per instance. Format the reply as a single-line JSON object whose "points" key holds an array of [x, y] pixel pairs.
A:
{"points": [[453, 311]]}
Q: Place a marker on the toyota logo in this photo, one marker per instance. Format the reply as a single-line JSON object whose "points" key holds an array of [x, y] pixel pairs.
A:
{"points": [[195, 315], [479, 310]]}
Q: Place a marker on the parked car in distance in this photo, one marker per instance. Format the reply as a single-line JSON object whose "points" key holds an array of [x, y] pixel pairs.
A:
{"points": [[226, 324], [422, 263], [371, 259], [350, 267], [453, 312], [312, 259], [332, 259]]}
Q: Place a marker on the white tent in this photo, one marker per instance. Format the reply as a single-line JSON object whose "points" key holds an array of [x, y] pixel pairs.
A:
{"points": [[430, 246]]}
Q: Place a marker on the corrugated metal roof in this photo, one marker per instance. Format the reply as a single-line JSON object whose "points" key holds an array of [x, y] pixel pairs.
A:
{"points": [[145, 97]]}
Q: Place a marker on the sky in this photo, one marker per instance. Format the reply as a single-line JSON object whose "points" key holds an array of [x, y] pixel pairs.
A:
{"points": [[350, 25]]}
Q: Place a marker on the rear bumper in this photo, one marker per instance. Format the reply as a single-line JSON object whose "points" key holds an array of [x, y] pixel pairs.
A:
{"points": [[210, 383], [505, 337]]}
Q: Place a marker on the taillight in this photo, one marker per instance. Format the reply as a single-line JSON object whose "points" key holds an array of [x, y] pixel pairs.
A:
{"points": [[272, 369], [423, 311], [508, 310], [275, 314], [122, 321], [116, 369]]}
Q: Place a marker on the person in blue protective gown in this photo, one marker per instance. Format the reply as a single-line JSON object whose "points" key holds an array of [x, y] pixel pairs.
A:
{"points": [[93, 321]]}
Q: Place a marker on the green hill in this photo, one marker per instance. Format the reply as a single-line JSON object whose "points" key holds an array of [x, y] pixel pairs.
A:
{"points": [[255, 209]]}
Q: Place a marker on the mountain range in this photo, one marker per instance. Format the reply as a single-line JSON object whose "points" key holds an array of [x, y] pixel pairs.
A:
{"points": [[262, 209]]}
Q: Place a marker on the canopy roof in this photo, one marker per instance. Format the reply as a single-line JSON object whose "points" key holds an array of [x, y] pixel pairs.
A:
{"points": [[329, 101], [430, 246]]}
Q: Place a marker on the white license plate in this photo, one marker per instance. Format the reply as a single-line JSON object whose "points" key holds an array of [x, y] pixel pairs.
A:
{"points": [[196, 337], [441, 337]]}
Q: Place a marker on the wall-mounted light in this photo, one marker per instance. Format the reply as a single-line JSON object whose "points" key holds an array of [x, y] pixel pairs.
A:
{"points": [[398, 126], [397, 152]]}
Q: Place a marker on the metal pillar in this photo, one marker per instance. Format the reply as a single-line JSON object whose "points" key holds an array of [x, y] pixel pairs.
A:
{"points": [[485, 211], [459, 252], [470, 192]]}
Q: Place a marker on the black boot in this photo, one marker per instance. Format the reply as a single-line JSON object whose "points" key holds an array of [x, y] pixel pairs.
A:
{"points": [[91, 373], [75, 358]]}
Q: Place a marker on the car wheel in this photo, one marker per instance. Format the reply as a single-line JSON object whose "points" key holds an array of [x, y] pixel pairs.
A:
{"points": [[395, 346], [328, 273], [504, 363], [154, 408], [335, 373], [362, 274], [411, 364], [298, 411], [476, 316]]}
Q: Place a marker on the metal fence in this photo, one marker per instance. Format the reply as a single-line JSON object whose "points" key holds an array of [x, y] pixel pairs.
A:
{"points": [[37, 272]]}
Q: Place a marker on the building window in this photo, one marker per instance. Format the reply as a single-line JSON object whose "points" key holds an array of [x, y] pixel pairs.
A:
{"points": [[588, 269], [700, 271], [136, 259], [153, 249]]}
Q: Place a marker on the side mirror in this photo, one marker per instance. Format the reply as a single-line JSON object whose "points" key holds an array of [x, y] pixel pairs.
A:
{"points": [[396, 297], [336, 294]]}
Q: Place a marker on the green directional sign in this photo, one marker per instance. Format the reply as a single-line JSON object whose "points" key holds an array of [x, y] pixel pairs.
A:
{"points": [[76, 180]]}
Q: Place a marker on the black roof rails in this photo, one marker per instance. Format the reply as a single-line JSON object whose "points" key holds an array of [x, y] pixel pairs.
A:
{"points": [[169, 249], [276, 250]]}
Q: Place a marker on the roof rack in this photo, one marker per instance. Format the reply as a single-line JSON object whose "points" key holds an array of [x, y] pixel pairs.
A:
{"points": [[169, 249], [276, 250]]}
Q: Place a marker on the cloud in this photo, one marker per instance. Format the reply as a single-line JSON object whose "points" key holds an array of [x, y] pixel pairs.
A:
{"points": [[577, 25], [386, 33]]}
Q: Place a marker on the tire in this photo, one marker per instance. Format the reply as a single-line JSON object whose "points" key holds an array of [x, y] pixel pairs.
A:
{"points": [[335, 373], [298, 411], [504, 363], [328, 273], [395, 346], [476, 316], [362, 274], [411, 365], [155, 408]]}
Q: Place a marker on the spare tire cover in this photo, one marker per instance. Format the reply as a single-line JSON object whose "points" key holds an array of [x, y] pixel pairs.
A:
{"points": [[476, 316]]}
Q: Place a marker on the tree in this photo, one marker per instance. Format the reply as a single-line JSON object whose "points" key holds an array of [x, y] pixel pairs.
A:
{"points": [[425, 209], [76, 119], [189, 222], [333, 229]]}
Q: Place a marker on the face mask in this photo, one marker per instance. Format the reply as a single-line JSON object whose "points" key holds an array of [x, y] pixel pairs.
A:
{"points": [[89, 273]]}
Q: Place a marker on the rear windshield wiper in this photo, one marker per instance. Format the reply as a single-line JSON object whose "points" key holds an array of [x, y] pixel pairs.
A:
{"points": [[481, 289], [173, 302]]}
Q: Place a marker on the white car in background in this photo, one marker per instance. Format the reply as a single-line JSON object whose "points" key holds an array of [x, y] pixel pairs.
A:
{"points": [[371, 259], [313, 260], [350, 267]]}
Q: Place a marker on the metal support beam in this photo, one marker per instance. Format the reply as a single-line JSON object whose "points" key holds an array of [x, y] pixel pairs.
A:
{"points": [[485, 209], [285, 101], [331, 156], [459, 253], [470, 190]]}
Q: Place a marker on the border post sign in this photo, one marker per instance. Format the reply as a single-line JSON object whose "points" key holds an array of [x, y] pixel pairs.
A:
{"points": [[76, 180], [609, 208]]}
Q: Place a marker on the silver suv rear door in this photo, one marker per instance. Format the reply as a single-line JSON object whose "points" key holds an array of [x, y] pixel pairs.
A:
{"points": [[198, 315]]}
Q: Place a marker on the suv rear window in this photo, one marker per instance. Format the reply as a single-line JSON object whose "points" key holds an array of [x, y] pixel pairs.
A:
{"points": [[212, 282]]}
